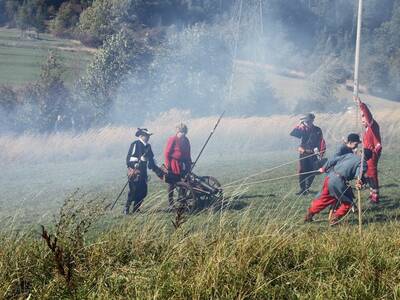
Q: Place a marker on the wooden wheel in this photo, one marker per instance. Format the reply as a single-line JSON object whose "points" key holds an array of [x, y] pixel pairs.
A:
{"points": [[214, 193], [184, 196]]}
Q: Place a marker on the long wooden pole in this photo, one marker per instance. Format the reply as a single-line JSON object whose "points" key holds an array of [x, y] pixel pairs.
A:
{"points": [[355, 92], [358, 46], [208, 139]]}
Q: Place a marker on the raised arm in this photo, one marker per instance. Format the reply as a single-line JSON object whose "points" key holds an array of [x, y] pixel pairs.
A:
{"points": [[298, 131], [365, 111], [372, 125]]}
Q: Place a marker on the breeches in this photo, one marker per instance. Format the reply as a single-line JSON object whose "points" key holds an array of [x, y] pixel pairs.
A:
{"points": [[306, 164], [137, 192], [324, 200], [372, 172]]}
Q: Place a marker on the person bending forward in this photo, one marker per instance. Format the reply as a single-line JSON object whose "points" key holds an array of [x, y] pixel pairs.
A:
{"points": [[336, 190]]}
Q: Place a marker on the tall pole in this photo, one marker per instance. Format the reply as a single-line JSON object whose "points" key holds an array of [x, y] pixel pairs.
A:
{"points": [[235, 50], [355, 93], [358, 46], [208, 139]]}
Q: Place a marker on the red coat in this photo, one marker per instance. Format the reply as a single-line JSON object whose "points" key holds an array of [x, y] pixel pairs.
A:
{"points": [[372, 135], [177, 155]]}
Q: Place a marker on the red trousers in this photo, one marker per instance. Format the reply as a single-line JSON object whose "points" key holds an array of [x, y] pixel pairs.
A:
{"points": [[372, 172], [325, 199]]}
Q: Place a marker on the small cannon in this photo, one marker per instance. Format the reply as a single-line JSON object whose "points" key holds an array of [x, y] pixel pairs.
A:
{"points": [[193, 192]]}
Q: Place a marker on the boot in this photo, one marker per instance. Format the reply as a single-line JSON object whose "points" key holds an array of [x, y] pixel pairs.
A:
{"points": [[308, 218], [374, 197], [302, 192], [126, 210], [334, 221]]}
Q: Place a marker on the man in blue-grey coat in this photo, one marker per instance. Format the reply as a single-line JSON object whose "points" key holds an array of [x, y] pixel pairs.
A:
{"points": [[336, 189]]}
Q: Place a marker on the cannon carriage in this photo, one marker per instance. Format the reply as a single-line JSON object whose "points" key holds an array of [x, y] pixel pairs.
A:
{"points": [[192, 192]]}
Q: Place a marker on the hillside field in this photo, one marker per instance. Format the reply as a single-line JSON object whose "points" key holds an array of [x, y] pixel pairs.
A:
{"points": [[21, 57]]}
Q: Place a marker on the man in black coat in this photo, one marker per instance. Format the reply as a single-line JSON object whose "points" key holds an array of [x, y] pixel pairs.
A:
{"points": [[139, 158], [312, 145]]}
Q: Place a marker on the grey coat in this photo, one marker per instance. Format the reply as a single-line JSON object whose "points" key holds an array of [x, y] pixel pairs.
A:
{"points": [[343, 169]]}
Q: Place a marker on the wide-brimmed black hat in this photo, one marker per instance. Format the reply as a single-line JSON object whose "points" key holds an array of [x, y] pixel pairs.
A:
{"points": [[142, 131], [308, 117], [353, 137]]}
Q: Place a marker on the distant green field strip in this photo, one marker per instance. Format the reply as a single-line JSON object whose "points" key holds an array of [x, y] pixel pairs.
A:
{"points": [[21, 52], [17, 41], [21, 58]]}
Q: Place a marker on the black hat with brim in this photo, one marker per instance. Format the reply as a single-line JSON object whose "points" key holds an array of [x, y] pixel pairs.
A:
{"points": [[353, 137], [308, 117], [142, 131]]}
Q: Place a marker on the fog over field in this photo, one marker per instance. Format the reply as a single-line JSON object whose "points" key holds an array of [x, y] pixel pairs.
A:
{"points": [[79, 77], [46, 168]]}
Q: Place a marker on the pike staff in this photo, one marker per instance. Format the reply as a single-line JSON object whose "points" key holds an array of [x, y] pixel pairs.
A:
{"points": [[355, 93], [208, 139], [111, 205]]}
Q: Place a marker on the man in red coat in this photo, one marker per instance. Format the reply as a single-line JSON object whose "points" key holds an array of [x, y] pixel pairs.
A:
{"points": [[372, 141], [312, 145], [178, 160]]}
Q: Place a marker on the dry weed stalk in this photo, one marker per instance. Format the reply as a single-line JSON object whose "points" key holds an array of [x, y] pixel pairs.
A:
{"points": [[68, 243], [179, 217], [64, 260]]}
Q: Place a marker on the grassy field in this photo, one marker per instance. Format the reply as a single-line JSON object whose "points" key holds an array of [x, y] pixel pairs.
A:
{"points": [[256, 248], [21, 57]]}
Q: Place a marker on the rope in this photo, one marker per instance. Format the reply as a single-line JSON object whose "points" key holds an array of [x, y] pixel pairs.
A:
{"points": [[266, 171], [277, 178]]}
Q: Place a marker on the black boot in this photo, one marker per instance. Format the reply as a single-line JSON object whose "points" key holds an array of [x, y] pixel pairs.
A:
{"points": [[302, 192], [126, 210]]}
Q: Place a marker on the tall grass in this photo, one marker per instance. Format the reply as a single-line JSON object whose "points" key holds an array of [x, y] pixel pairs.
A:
{"points": [[249, 255]]}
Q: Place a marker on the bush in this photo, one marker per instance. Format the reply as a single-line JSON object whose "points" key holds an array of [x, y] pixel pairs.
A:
{"points": [[52, 95], [103, 19], [121, 54]]}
